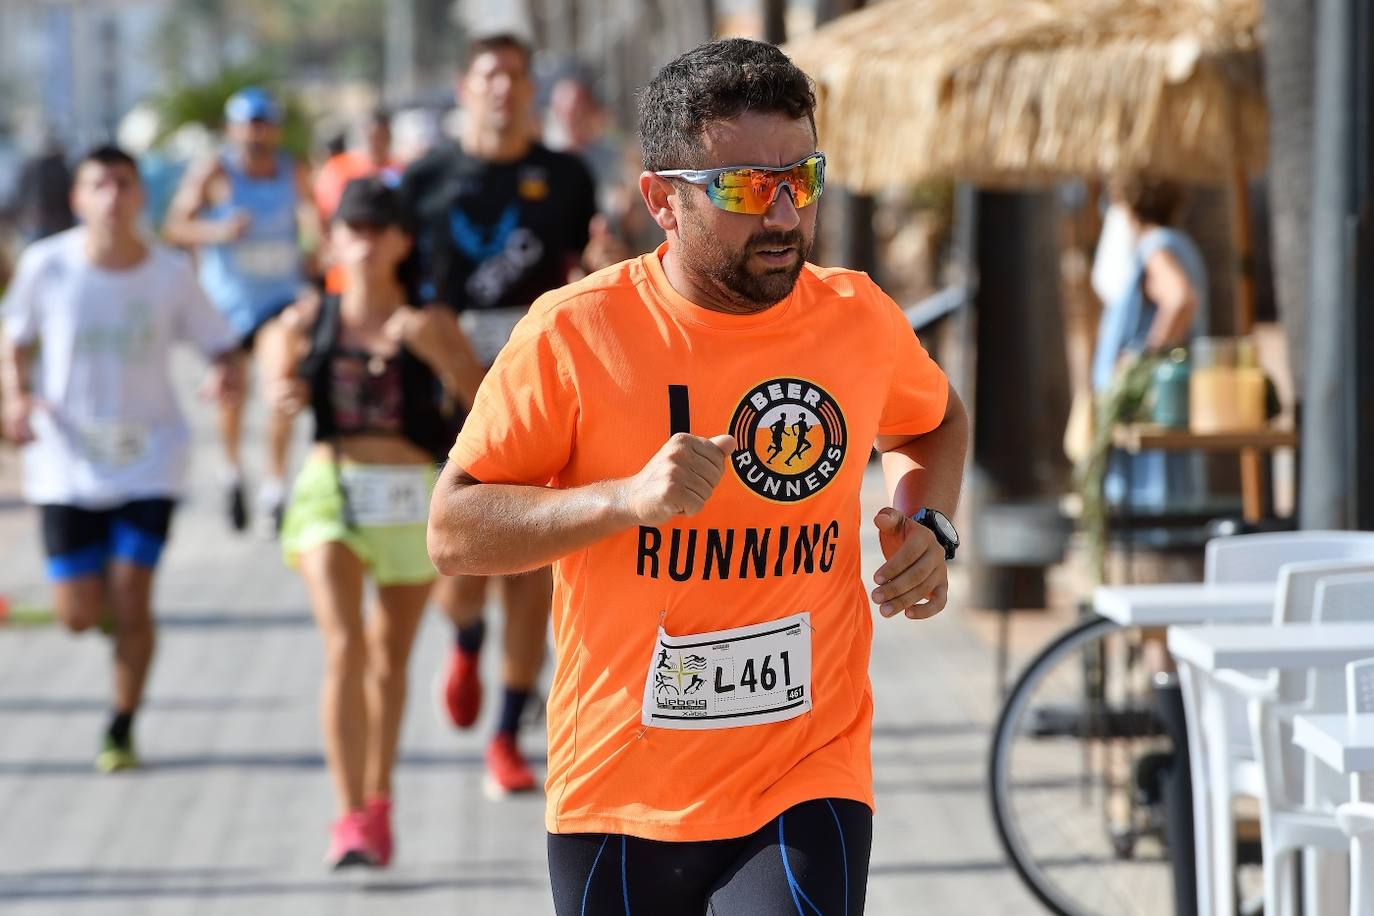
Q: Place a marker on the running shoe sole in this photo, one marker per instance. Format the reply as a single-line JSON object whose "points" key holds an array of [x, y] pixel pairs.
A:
{"points": [[238, 508], [116, 761], [354, 858], [494, 791]]}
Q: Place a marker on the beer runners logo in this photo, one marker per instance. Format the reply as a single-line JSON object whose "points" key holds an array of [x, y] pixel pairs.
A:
{"points": [[791, 439]]}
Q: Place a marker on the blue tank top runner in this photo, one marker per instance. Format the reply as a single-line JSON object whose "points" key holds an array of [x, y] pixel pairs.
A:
{"points": [[255, 277]]}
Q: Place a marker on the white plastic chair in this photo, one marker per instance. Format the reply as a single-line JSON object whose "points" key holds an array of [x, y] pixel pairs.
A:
{"points": [[1257, 558], [1239, 723], [1223, 765], [1299, 796], [1235, 560], [1357, 816]]}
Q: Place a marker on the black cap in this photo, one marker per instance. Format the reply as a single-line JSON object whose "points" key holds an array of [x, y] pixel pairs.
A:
{"points": [[370, 202]]}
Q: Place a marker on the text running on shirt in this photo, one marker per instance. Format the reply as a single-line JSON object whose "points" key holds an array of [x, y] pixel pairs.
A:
{"points": [[683, 554]]}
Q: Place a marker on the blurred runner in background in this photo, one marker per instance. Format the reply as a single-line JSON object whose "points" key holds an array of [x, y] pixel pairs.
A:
{"points": [[246, 211], [89, 323], [502, 220], [370, 155], [370, 367], [41, 204]]}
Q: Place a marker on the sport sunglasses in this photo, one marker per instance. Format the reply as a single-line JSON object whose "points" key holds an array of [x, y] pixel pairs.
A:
{"points": [[753, 188]]}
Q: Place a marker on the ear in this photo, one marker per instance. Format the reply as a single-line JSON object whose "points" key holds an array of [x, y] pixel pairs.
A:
{"points": [[660, 196]]}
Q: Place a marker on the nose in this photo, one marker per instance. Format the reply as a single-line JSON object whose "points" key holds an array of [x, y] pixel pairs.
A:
{"points": [[782, 212]]}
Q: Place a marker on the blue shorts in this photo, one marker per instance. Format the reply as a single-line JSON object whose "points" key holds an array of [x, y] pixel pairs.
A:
{"points": [[249, 337], [81, 542]]}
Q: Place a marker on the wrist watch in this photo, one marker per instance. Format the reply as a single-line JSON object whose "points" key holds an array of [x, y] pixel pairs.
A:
{"points": [[945, 532]]}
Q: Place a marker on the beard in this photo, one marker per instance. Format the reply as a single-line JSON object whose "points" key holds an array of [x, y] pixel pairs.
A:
{"points": [[728, 270]]}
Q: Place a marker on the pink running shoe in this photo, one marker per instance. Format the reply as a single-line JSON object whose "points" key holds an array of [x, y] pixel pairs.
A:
{"points": [[379, 828], [349, 843]]}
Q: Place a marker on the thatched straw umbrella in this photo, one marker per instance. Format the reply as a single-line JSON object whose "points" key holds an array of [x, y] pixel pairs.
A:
{"points": [[1010, 92], [1021, 92]]}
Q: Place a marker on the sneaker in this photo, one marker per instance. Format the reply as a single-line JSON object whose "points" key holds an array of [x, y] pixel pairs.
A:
{"points": [[458, 689], [238, 506], [115, 756], [379, 828], [507, 771], [349, 843], [272, 508]]}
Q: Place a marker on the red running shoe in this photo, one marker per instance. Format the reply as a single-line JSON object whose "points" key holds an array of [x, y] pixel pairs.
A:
{"points": [[349, 843], [458, 689], [507, 771], [379, 828]]}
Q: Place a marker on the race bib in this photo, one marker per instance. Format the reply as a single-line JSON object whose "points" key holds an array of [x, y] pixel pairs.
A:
{"points": [[489, 330], [746, 676], [112, 444], [268, 258], [384, 495]]}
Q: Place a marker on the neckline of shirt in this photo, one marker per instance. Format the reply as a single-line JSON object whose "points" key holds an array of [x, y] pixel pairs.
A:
{"points": [[690, 311], [77, 251]]}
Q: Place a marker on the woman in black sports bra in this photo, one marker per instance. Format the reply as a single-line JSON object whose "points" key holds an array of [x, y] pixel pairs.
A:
{"points": [[382, 380]]}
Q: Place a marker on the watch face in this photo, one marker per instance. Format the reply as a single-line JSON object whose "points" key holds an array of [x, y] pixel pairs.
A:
{"points": [[946, 527]]}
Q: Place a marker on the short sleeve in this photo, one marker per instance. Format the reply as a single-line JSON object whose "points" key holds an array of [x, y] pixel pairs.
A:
{"points": [[198, 321], [918, 393], [20, 308], [522, 424]]}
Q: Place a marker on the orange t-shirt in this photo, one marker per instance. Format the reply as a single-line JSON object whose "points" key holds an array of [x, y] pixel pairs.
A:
{"points": [[581, 394]]}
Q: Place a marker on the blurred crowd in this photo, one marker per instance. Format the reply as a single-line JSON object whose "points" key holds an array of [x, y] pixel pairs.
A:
{"points": [[567, 116]]}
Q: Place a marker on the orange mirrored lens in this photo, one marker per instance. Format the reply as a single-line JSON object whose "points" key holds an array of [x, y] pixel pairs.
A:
{"points": [[753, 191]]}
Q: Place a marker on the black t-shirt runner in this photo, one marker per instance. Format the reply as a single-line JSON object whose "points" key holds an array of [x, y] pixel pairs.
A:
{"points": [[493, 237]]}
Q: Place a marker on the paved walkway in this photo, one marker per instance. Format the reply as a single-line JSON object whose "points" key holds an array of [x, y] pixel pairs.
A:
{"points": [[229, 814]]}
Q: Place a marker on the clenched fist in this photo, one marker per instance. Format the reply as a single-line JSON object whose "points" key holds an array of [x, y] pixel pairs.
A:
{"points": [[678, 479]]}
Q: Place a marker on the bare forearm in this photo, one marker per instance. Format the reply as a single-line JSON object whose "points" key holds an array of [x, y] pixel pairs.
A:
{"points": [[14, 369], [495, 529], [193, 232], [929, 470], [1170, 326]]}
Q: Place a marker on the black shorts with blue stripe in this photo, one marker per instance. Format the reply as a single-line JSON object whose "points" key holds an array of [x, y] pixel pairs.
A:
{"points": [[811, 860], [82, 542]]}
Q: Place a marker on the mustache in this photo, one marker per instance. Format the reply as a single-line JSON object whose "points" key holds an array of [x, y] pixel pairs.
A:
{"points": [[792, 239]]}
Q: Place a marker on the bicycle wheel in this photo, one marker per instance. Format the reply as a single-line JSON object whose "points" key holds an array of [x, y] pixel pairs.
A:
{"points": [[1073, 776]]}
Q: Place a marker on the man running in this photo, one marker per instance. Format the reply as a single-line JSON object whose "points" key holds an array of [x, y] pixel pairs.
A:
{"points": [[753, 796], [777, 429], [246, 210], [503, 220], [370, 155], [799, 430], [90, 321]]}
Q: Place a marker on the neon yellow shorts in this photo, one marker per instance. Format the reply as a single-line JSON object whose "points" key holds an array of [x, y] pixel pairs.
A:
{"points": [[394, 554]]}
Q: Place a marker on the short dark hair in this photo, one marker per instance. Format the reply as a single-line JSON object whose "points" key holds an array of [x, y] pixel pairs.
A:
{"points": [[500, 41], [716, 81], [107, 154], [1154, 201]]}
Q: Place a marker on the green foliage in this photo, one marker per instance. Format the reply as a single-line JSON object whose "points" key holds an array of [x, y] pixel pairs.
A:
{"points": [[1121, 403], [203, 103]]}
